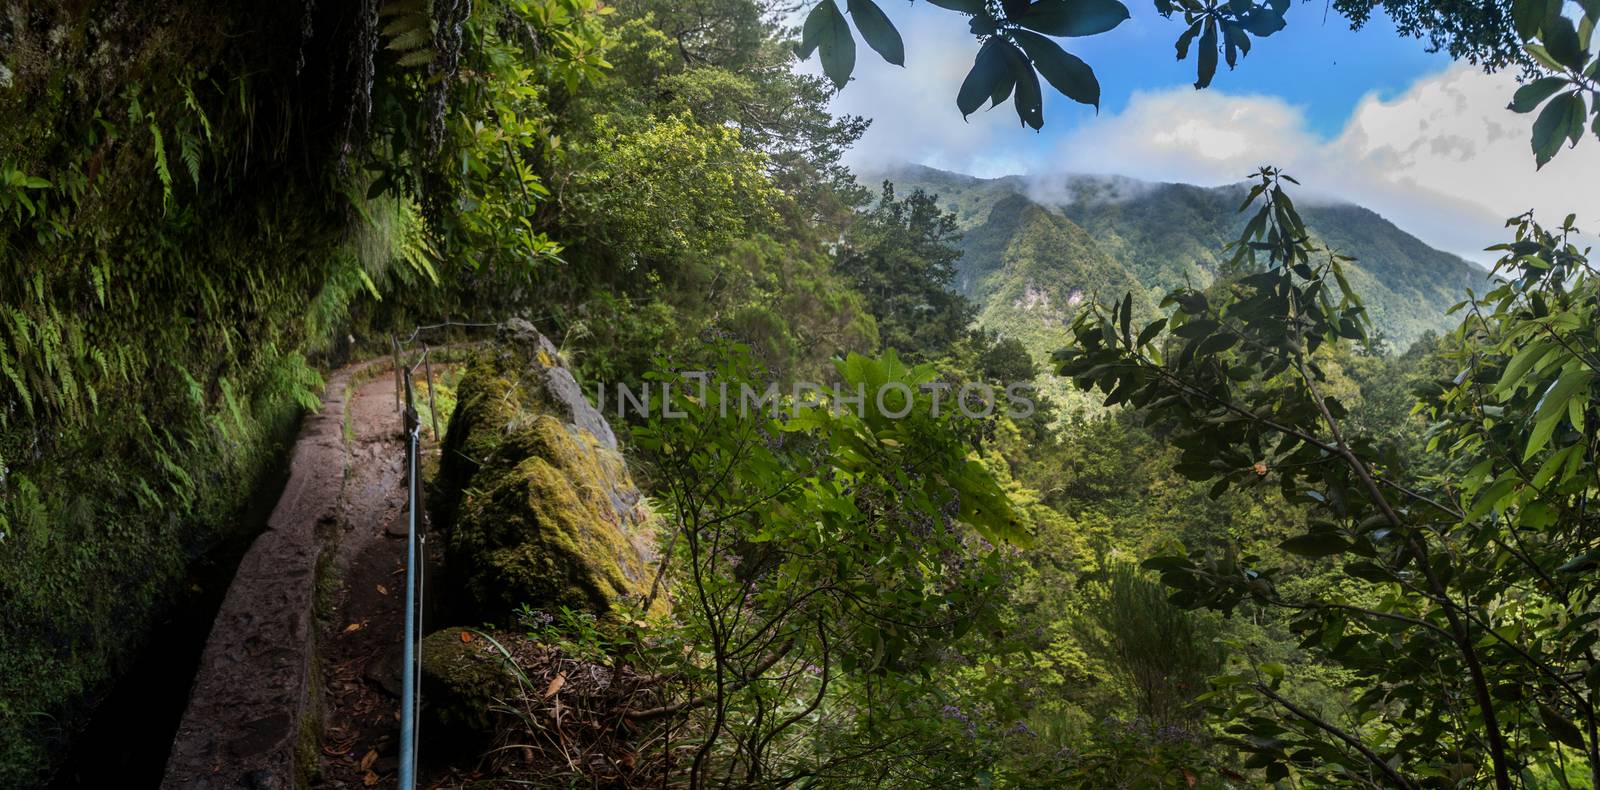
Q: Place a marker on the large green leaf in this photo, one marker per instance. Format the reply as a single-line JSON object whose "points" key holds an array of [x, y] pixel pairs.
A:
{"points": [[1579, 564], [1073, 17], [1555, 125], [1235, 41], [1368, 571], [1561, 41], [988, 69], [1063, 70], [1559, 727], [1002, 90], [1528, 15], [1216, 344], [811, 32], [1534, 93], [1029, 98], [1262, 22], [1316, 544], [1207, 67], [1187, 37], [1150, 331], [1553, 406], [1522, 362], [1490, 498], [827, 30], [879, 32], [1552, 465], [1168, 563]]}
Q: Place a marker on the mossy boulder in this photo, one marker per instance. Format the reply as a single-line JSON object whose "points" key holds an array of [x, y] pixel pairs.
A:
{"points": [[537, 502], [464, 679]]}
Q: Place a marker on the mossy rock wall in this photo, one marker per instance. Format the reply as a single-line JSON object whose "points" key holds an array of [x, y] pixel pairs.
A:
{"points": [[177, 256], [536, 500]]}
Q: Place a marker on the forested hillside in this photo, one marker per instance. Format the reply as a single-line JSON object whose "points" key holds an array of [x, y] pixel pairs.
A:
{"points": [[1034, 248], [1328, 524]]}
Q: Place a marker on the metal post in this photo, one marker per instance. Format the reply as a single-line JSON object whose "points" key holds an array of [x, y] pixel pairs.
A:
{"points": [[433, 407], [410, 657], [394, 344]]}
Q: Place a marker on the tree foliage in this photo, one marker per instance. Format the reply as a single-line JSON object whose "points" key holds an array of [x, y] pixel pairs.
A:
{"points": [[1461, 600], [819, 552], [1569, 83], [901, 256]]}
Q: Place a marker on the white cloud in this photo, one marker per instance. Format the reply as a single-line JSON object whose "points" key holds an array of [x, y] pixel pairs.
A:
{"points": [[913, 112], [1444, 160]]}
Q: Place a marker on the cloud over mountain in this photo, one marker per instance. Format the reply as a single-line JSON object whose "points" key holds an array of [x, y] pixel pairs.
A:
{"points": [[1444, 159]]}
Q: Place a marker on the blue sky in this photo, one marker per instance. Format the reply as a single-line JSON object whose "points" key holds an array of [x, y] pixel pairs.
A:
{"points": [[1365, 116], [1320, 65]]}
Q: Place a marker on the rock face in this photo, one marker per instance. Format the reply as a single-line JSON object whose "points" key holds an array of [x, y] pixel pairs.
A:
{"points": [[536, 502]]}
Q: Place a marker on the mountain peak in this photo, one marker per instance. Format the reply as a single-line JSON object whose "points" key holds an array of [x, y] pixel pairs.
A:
{"points": [[1062, 188], [1109, 235]]}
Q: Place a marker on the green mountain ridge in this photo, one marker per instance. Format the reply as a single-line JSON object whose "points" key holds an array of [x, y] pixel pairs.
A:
{"points": [[1035, 249]]}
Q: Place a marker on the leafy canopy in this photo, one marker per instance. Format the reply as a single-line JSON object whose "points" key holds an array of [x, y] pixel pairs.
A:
{"points": [[1018, 47], [1464, 594]]}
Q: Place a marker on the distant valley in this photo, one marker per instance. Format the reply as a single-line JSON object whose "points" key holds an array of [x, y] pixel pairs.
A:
{"points": [[1036, 249]]}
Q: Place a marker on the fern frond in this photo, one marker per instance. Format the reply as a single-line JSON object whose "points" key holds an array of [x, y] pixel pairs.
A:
{"points": [[146, 495], [409, 32], [194, 106], [404, 24], [99, 276], [197, 397], [178, 480], [414, 247], [410, 40], [372, 287], [189, 150], [27, 508], [411, 60], [16, 382], [161, 165], [233, 407]]}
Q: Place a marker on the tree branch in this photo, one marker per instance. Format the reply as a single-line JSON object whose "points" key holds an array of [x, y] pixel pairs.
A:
{"points": [[1348, 739]]}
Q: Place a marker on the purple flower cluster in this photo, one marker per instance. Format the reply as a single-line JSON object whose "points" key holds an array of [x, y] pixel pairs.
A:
{"points": [[1142, 729], [953, 712], [1172, 733]]}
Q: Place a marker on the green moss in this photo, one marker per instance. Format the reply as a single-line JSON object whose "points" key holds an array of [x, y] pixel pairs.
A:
{"points": [[539, 512], [464, 679], [308, 754], [545, 530]]}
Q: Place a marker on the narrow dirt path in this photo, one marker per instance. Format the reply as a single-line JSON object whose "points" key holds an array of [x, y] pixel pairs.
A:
{"points": [[360, 654]]}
